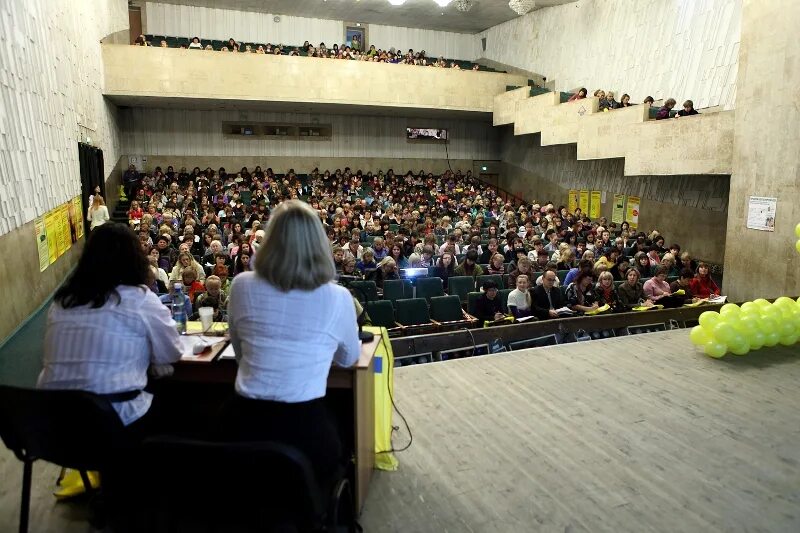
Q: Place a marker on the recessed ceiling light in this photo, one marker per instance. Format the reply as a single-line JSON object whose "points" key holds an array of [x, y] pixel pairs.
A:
{"points": [[397, 2], [442, 3]]}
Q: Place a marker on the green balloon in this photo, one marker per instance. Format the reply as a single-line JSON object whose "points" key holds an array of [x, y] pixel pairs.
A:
{"points": [[756, 339], [767, 324], [797, 230], [715, 349], [740, 347], [724, 332], [772, 338], [783, 301], [699, 336], [789, 340], [730, 309], [734, 320], [761, 303], [709, 319], [747, 323], [748, 307], [786, 328]]}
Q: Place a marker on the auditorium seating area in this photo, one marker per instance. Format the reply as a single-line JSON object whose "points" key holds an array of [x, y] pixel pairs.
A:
{"points": [[389, 234], [306, 50]]}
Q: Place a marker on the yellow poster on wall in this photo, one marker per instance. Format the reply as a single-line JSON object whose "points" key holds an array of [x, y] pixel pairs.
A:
{"points": [[51, 229], [76, 219], [583, 202], [618, 213], [41, 243], [572, 200], [594, 206], [63, 229], [632, 211]]}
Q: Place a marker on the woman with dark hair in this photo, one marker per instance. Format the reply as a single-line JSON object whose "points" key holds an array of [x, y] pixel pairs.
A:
{"points": [[702, 285], [445, 268], [106, 328], [625, 101], [580, 95], [580, 296]]}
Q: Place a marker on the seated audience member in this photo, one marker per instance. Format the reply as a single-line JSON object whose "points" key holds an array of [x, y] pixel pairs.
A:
{"points": [[524, 267], [242, 263], [367, 261], [549, 266], [161, 280], [470, 266], [642, 263], [185, 260], [396, 253], [209, 259], [213, 297], [488, 308], [489, 252], [584, 265], [649, 101], [630, 293], [280, 383], [625, 101], [379, 250], [665, 109], [547, 298], [195, 44], [657, 287], [580, 294], [688, 110], [669, 261], [688, 262], [604, 104], [191, 287], [605, 291], [519, 300], [445, 268], [580, 95], [702, 285], [105, 328], [427, 257], [684, 283], [349, 268], [541, 262], [496, 266], [338, 257], [567, 260], [386, 269], [612, 104], [620, 269], [415, 260]]}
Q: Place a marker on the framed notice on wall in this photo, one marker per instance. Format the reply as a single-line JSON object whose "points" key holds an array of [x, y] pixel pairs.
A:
{"points": [[572, 200], [583, 202], [761, 213], [632, 211], [618, 213], [594, 206]]}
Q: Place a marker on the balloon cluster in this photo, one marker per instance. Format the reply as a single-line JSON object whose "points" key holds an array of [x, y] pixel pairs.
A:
{"points": [[797, 233], [753, 325]]}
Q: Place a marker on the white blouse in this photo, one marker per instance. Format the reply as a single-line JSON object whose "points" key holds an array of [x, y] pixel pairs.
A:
{"points": [[109, 349], [285, 342]]}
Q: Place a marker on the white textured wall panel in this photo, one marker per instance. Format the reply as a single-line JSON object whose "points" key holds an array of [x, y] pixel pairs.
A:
{"points": [[664, 48], [191, 132], [222, 24], [51, 76]]}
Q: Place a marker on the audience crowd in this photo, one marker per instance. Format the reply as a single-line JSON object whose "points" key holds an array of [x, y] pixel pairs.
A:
{"points": [[607, 103], [202, 227], [350, 51]]}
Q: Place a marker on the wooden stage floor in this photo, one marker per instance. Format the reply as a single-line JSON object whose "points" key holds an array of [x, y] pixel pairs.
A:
{"points": [[637, 434], [633, 434]]}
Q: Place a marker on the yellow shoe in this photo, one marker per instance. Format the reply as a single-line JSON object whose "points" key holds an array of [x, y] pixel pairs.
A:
{"points": [[72, 484]]}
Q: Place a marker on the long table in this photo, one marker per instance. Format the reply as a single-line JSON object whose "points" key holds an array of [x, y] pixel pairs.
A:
{"points": [[351, 389]]}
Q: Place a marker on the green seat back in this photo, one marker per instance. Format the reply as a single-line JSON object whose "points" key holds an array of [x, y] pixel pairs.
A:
{"points": [[412, 311], [381, 313], [562, 274], [504, 299], [497, 278], [472, 302], [429, 287], [396, 289], [461, 286], [370, 290], [446, 308]]}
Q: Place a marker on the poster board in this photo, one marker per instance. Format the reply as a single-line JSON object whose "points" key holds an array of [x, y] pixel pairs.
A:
{"points": [[51, 229], [41, 243], [632, 211], [761, 213], [583, 202], [618, 212], [595, 205], [76, 218], [572, 200]]}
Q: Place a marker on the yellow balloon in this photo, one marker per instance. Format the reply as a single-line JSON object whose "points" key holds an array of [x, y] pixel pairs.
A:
{"points": [[771, 339], [699, 336], [797, 230], [789, 340], [762, 303], [756, 339], [709, 319], [783, 301], [715, 349], [730, 309]]}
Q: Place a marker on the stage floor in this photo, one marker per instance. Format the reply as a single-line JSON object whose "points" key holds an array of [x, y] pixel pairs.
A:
{"points": [[641, 433], [633, 434]]}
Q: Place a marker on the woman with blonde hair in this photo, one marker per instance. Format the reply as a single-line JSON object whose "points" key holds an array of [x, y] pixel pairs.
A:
{"points": [[386, 269], [288, 322], [98, 212]]}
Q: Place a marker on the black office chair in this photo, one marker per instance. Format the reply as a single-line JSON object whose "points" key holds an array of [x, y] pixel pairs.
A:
{"points": [[225, 486], [73, 429]]}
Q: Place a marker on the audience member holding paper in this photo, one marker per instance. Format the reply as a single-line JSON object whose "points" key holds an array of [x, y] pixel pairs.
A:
{"points": [[702, 285], [580, 294], [519, 300], [288, 322], [547, 298]]}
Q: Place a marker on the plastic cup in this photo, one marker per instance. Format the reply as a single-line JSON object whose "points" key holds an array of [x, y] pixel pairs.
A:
{"points": [[206, 317]]}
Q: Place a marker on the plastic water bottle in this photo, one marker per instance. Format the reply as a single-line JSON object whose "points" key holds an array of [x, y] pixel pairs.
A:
{"points": [[179, 309]]}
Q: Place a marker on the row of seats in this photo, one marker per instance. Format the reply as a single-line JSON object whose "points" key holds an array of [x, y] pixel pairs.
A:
{"points": [[177, 42]]}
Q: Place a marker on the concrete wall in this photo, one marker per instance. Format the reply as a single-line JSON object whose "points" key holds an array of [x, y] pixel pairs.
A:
{"points": [[52, 73], [190, 133], [762, 264], [664, 48], [222, 24], [701, 144], [187, 74], [689, 210]]}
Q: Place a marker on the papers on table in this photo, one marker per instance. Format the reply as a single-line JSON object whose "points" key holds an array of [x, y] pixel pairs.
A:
{"points": [[565, 311], [525, 318], [713, 299], [228, 352]]}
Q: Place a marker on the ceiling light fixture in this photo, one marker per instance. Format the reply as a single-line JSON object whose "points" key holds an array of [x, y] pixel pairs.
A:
{"points": [[397, 2], [442, 3], [464, 5], [522, 7]]}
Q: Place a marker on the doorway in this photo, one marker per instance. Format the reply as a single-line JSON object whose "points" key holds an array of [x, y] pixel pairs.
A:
{"points": [[92, 175], [134, 22], [356, 37]]}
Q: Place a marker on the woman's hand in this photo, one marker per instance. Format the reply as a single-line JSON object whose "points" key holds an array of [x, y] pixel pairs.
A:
{"points": [[499, 316]]}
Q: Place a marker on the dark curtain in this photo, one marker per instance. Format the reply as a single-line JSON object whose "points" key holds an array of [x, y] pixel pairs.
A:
{"points": [[92, 175]]}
